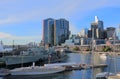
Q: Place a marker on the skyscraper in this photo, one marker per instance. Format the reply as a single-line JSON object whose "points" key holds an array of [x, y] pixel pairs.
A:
{"points": [[55, 32], [118, 32], [98, 29], [83, 32], [89, 33], [111, 33], [48, 31], [61, 31]]}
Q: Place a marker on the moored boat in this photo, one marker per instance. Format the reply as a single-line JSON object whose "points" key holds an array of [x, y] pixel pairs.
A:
{"points": [[103, 56], [31, 55], [37, 70], [104, 75]]}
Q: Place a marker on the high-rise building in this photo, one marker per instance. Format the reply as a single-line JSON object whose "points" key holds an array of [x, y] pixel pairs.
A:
{"points": [[48, 29], [61, 31], [94, 29], [89, 33], [55, 32], [97, 28], [111, 32], [118, 32], [83, 33]]}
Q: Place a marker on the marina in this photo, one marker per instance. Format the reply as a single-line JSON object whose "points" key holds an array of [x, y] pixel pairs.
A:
{"points": [[59, 39], [52, 67], [37, 70], [77, 67]]}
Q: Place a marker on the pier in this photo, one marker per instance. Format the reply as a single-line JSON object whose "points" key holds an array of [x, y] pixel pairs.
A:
{"points": [[77, 66], [68, 67], [84, 66]]}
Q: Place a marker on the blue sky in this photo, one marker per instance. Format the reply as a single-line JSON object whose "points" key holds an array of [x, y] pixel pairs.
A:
{"points": [[21, 20]]}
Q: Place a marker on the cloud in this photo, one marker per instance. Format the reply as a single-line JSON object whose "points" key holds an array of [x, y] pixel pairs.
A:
{"points": [[7, 37], [21, 11], [8, 20], [64, 8], [4, 35]]}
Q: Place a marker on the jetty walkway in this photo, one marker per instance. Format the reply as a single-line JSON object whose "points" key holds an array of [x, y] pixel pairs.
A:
{"points": [[77, 66], [68, 67]]}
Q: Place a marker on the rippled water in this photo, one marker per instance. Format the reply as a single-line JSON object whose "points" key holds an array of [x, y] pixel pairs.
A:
{"points": [[78, 74]]}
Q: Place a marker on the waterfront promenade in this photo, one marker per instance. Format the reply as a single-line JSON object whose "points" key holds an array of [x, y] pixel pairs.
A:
{"points": [[107, 53]]}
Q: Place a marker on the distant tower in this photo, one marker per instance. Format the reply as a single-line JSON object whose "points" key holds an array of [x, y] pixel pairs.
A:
{"points": [[61, 31], [48, 27], [97, 26], [110, 32], [1, 42], [1, 46], [96, 19]]}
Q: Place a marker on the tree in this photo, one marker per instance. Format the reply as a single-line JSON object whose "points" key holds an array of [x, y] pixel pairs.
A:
{"points": [[106, 49], [76, 48]]}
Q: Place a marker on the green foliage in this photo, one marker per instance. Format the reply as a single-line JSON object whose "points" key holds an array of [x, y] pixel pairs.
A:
{"points": [[66, 46], [76, 48], [106, 49], [88, 49]]}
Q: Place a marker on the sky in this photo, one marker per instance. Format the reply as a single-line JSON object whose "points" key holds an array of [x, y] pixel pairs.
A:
{"points": [[21, 20]]}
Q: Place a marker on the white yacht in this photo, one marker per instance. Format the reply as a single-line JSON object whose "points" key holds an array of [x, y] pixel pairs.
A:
{"points": [[37, 70], [104, 75], [103, 56], [31, 55]]}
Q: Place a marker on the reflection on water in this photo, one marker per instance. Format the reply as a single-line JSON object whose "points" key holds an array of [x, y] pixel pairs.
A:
{"points": [[77, 74], [1, 77], [52, 76], [113, 63]]}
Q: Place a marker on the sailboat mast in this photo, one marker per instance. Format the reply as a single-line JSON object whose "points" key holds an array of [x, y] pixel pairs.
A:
{"points": [[92, 57], [115, 61]]}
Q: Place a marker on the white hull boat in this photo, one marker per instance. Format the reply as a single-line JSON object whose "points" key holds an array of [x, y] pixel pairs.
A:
{"points": [[37, 70], [104, 75], [103, 56]]}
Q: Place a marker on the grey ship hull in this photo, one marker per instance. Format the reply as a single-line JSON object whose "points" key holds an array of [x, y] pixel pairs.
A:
{"points": [[14, 60]]}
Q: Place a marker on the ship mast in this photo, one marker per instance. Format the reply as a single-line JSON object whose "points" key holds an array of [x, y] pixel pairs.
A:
{"points": [[92, 54]]}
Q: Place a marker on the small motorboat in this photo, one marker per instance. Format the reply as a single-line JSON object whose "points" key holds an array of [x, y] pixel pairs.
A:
{"points": [[104, 75]]}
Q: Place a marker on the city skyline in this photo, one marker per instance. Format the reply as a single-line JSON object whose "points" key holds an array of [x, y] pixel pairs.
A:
{"points": [[21, 20]]}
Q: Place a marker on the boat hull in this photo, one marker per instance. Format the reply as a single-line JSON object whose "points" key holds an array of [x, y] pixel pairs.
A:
{"points": [[14, 60], [36, 71]]}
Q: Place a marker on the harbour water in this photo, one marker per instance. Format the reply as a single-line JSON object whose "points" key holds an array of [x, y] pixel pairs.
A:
{"points": [[78, 74]]}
